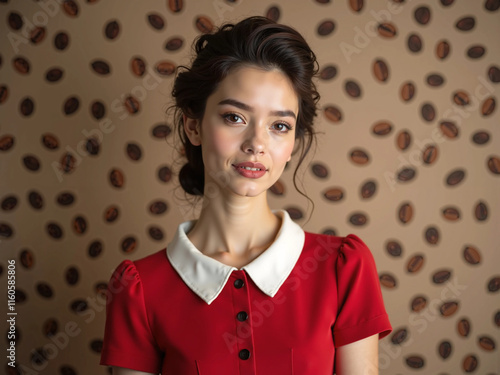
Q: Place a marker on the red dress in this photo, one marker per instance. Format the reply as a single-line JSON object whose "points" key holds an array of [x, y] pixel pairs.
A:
{"points": [[283, 317]]}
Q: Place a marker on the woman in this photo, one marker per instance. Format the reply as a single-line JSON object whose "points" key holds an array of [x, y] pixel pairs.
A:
{"points": [[243, 289]]}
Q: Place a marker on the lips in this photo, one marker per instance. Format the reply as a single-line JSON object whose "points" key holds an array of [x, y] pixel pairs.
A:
{"points": [[250, 170]]}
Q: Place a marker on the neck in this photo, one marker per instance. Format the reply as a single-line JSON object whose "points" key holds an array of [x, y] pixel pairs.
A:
{"points": [[235, 231]]}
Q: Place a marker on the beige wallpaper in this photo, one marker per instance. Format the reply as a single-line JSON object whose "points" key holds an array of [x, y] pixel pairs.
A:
{"points": [[408, 158]]}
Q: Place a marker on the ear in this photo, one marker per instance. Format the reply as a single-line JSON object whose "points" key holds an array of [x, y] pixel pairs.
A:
{"points": [[192, 129], [289, 158]]}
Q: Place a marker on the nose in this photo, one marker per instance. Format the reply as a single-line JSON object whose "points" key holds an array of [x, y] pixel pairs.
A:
{"points": [[255, 140]]}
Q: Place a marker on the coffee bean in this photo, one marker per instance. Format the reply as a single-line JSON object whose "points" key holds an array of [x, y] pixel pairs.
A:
{"points": [[9, 203], [98, 110], [96, 346], [27, 259], [381, 70], [494, 74], [35, 199], [112, 30], [20, 297], [158, 207], [15, 21], [382, 128], [428, 112], [461, 98], [72, 275], [39, 357], [50, 141], [487, 343], [403, 140], [352, 89], [463, 327], [319, 170], [448, 308], [204, 24], [156, 21], [432, 235], [358, 219], [175, 5], [488, 106], [44, 289], [278, 188], [132, 104], [27, 107], [5, 230], [174, 44], [128, 244], [481, 211], [356, 5], [161, 131], [70, 7], [61, 41], [441, 276], [455, 177], [323, 1], [472, 255], [165, 68], [156, 233], [71, 105], [470, 363], [6, 142], [415, 263], [54, 74], [435, 80], [31, 162], [429, 155], [334, 194], [476, 52], [405, 213], [445, 349], [494, 164], [68, 370], [101, 67], [465, 23], [134, 151], [451, 213], [37, 35], [406, 174], [359, 157], [78, 306], [65, 199], [328, 72], [399, 336], [387, 281], [419, 303], [481, 137], [449, 129], [116, 178], [407, 91], [50, 327], [494, 284], [394, 248], [21, 65], [447, 2], [95, 249], [333, 114], [138, 66], [165, 174], [4, 93], [414, 43], [368, 189], [101, 289], [67, 163], [422, 15], [326, 28], [295, 213], [273, 13], [387, 30], [443, 49], [492, 5], [415, 361], [329, 232], [111, 214], [79, 225]]}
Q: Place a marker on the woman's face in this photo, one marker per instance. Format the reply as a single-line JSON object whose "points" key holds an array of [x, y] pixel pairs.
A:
{"points": [[247, 132]]}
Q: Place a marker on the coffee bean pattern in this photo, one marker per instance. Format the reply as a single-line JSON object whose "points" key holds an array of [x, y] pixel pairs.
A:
{"points": [[408, 158]]}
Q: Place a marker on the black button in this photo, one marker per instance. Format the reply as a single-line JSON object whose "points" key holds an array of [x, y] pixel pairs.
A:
{"points": [[239, 284], [242, 316], [244, 354]]}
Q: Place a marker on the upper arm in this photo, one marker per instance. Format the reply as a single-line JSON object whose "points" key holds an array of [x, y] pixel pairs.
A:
{"points": [[127, 371], [358, 358]]}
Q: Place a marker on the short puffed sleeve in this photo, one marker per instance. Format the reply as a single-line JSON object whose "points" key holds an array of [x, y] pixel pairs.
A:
{"points": [[128, 340], [361, 311]]}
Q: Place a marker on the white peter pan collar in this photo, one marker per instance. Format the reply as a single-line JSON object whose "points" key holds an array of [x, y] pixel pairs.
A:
{"points": [[207, 277]]}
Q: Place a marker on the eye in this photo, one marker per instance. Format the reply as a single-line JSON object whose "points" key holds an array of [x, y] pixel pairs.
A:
{"points": [[282, 127], [233, 118]]}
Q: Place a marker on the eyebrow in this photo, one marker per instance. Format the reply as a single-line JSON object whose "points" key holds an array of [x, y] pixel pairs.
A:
{"points": [[246, 107]]}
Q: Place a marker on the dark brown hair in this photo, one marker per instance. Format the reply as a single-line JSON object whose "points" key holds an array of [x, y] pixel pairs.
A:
{"points": [[255, 41]]}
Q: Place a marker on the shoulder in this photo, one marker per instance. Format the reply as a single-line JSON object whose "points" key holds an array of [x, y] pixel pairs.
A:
{"points": [[138, 269], [350, 245]]}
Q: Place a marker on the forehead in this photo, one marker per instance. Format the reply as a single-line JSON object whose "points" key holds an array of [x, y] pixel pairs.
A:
{"points": [[258, 88]]}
